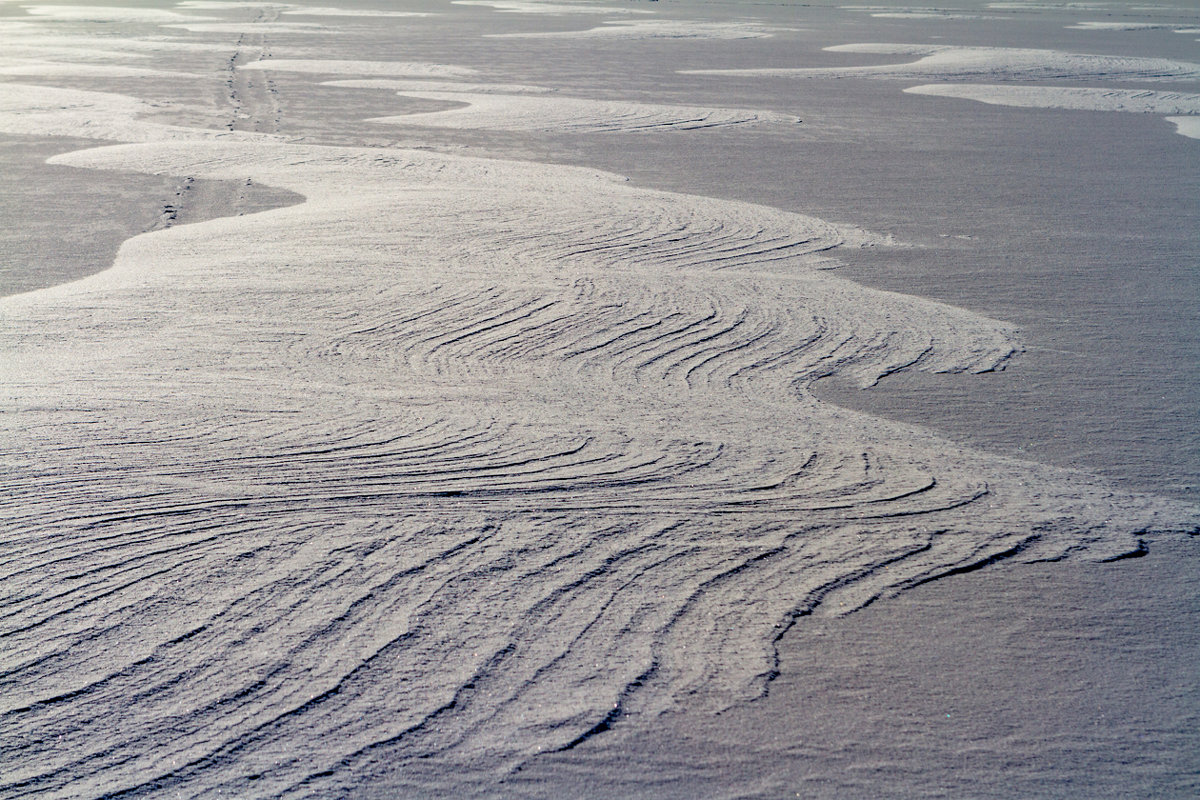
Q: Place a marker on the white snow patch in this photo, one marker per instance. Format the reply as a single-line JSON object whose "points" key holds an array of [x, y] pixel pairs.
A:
{"points": [[223, 5], [255, 27], [1050, 6], [535, 7], [950, 62], [412, 69], [98, 46], [51, 111], [1186, 126], [1082, 99], [1120, 26], [656, 29], [61, 68], [313, 11], [568, 114], [110, 14], [439, 86], [917, 12]]}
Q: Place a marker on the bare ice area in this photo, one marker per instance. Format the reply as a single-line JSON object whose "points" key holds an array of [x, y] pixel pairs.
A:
{"points": [[453, 464]]}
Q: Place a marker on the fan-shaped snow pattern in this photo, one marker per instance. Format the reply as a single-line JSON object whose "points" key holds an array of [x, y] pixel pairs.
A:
{"points": [[523, 113], [655, 29], [1131, 100], [949, 62], [454, 463]]}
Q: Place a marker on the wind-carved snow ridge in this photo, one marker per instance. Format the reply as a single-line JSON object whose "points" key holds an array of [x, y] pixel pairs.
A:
{"points": [[293, 9], [426, 85], [568, 114], [459, 461], [30, 67], [323, 11], [654, 29], [920, 12], [517, 108], [306, 28], [951, 62], [551, 7], [1126, 26], [409, 69], [50, 111], [96, 13], [1028, 5]]}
